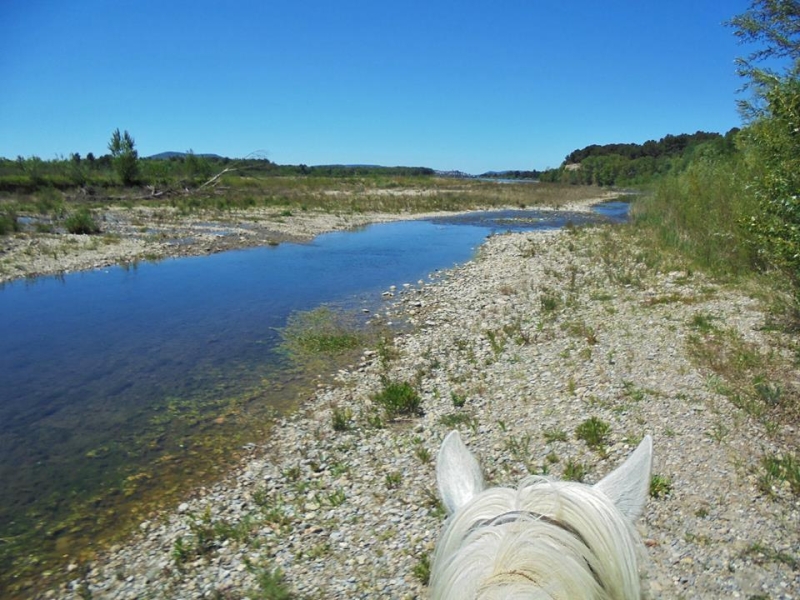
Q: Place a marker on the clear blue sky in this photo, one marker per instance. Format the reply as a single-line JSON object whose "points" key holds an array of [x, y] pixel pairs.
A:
{"points": [[475, 86]]}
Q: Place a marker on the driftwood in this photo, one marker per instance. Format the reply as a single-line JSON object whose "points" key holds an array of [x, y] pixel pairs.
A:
{"points": [[217, 176]]}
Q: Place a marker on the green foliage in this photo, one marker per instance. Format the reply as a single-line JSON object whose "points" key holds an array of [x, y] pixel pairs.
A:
{"points": [[771, 142], [453, 420], [780, 469], [772, 145], [393, 480], [125, 158], [320, 331], [341, 418], [594, 432], [574, 471], [8, 222], [636, 164], [459, 400], [700, 215], [81, 222], [555, 435], [422, 570], [660, 486], [399, 399], [271, 585]]}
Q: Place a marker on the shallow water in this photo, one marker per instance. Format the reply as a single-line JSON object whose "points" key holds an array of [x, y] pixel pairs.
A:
{"points": [[99, 369]]}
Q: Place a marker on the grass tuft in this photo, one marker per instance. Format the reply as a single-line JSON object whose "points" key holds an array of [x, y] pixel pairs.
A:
{"points": [[399, 399], [595, 432]]}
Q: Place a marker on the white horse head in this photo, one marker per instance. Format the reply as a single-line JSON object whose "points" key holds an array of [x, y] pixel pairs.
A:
{"points": [[546, 539]]}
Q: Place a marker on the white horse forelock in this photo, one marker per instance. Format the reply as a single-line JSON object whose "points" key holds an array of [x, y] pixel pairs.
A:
{"points": [[546, 539]]}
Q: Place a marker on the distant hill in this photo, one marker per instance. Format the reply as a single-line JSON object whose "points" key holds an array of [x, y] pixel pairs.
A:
{"points": [[168, 155]]}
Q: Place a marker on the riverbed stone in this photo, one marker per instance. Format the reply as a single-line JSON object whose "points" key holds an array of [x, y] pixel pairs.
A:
{"points": [[353, 514]]}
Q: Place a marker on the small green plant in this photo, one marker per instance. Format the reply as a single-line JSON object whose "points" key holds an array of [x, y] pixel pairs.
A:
{"points": [[780, 468], [341, 418], [767, 554], [271, 585], [555, 435], [453, 420], [81, 222], [496, 341], [459, 400], [704, 323], [336, 498], [574, 471], [422, 453], [387, 352], [631, 391], [375, 420], [399, 399], [292, 473], [769, 393], [422, 570], [180, 552], [8, 222], [660, 486], [393, 480], [549, 302], [594, 432]]}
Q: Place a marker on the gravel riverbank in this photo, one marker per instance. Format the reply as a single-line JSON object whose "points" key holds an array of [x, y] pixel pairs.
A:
{"points": [[146, 233], [516, 349]]}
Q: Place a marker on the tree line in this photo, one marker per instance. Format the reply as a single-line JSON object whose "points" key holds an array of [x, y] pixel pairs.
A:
{"points": [[123, 166], [636, 164]]}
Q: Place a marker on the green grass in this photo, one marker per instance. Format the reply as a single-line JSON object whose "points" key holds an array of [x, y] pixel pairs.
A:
{"points": [[320, 331], [399, 399], [595, 432], [574, 471], [81, 222], [341, 419], [660, 486], [453, 420], [778, 469], [555, 435]]}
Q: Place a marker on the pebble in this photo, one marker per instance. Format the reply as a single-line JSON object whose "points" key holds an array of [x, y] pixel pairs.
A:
{"points": [[351, 514]]}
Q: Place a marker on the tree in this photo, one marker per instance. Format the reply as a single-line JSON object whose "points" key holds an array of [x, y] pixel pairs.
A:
{"points": [[124, 157], [773, 26], [771, 140]]}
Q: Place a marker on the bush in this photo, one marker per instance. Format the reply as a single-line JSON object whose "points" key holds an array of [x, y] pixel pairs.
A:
{"points": [[8, 223], [399, 399], [594, 432], [81, 222]]}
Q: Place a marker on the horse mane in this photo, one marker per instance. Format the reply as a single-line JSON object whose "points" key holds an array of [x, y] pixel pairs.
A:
{"points": [[544, 539]]}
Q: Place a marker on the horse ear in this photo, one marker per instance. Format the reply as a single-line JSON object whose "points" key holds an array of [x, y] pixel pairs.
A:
{"points": [[629, 484], [458, 474]]}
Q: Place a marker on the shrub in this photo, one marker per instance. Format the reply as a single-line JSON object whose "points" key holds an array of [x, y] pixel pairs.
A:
{"points": [[660, 486], [594, 432], [341, 418], [81, 222], [574, 471], [8, 223], [399, 399]]}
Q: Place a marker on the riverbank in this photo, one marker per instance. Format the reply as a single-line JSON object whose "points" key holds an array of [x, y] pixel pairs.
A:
{"points": [[140, 233], [516, 349]]}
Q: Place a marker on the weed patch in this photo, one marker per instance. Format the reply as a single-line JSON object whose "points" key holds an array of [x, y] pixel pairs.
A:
{"points": [[399, 399], [595, 432]]}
